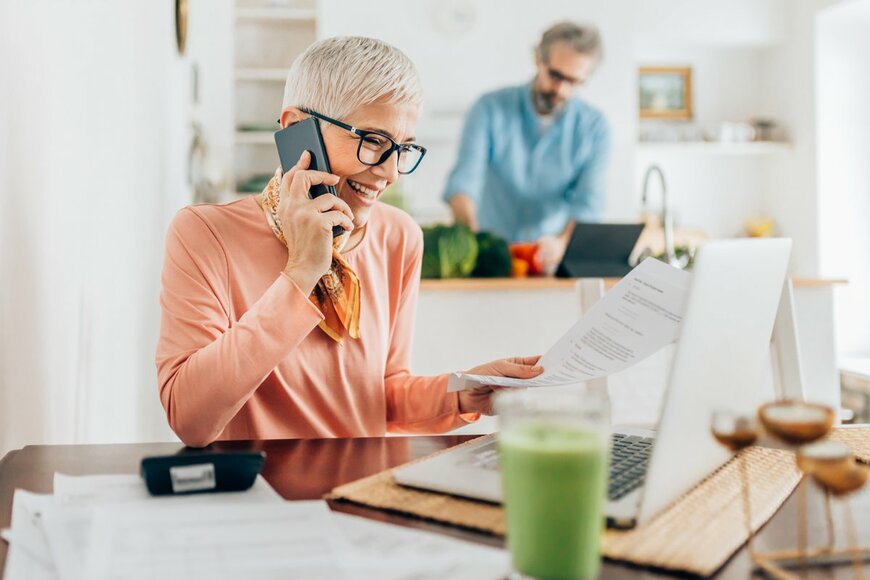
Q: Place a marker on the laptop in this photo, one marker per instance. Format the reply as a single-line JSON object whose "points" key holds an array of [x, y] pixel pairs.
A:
{"points": [[720, 362], [599, 250]]}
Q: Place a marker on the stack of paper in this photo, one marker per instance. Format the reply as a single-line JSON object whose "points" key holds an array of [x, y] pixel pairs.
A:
{"points": [[107, 527]]}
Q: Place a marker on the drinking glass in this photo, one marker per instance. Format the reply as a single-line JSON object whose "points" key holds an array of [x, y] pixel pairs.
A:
{"points": [[553, 456]]}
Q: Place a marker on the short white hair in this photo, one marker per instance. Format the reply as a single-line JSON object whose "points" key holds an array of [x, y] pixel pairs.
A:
{"points": [[336, 76]]}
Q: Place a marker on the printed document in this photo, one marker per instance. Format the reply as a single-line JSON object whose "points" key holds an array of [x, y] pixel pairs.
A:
{"points": [[107, 526], [637, 317]]}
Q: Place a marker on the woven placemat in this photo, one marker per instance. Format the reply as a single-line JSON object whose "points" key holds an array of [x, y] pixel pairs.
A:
{"points": [[857, 438], [702, 529], [697, 534]]}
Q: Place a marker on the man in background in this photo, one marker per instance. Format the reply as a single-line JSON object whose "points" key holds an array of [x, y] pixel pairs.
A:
{"points": [[533, 158]]}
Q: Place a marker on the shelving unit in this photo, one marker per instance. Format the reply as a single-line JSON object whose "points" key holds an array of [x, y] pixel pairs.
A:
{"points": [[714, 148], [713, 186], [267, 38]]}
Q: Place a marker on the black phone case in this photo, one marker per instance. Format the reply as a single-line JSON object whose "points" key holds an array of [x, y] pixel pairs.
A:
{"points": [[298, 138], [201, 472]]}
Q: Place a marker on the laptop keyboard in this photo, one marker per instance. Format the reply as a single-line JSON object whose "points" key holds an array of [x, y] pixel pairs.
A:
{"points": [[628, 462]]}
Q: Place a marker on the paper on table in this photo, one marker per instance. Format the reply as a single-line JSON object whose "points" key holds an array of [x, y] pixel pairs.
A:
{"points": [[287, 540], [28, 557], [67, 523], [93, 489], [393, 552], [638, 316]]}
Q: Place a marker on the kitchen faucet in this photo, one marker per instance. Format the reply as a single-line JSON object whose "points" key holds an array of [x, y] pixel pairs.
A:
{"points": [[667, 218]]}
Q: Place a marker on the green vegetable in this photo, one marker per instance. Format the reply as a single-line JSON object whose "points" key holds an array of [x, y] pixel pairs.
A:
{"points": [[493, 257], [448, 251]]}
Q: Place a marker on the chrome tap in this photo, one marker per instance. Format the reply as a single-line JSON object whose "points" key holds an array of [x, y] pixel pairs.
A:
{"points": [[667, 218]]}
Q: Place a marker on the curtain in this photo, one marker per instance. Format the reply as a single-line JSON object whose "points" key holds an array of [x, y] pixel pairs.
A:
{"points": [[93, 143]]}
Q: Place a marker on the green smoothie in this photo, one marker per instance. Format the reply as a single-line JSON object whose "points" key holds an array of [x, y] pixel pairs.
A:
{"points": [[554, 482]]}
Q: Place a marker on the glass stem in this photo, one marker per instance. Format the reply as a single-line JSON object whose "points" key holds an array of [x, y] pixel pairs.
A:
{"points": [[747, 508]]}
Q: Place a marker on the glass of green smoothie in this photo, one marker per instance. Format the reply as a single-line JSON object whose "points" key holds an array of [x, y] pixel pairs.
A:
{"points": [[553, 458]]}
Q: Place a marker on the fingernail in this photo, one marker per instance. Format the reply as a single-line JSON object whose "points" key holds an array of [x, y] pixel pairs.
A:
{"points": [[537, 369]]}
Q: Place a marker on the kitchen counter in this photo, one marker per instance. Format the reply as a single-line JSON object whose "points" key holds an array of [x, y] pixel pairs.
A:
{"points": [[546, 283]]}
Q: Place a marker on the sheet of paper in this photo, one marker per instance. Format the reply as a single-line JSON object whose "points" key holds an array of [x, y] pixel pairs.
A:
{"points": [[67, 524], [28, 557], [638, 316], [97, 489], [390, 552], [287, 540]]}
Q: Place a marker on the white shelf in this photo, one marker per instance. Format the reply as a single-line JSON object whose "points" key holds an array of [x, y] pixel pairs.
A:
{"points": [[704, 147], [261, 74], [275, 13], [255, 137]]}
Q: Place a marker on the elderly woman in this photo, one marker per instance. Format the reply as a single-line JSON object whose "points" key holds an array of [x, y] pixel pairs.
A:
{"points": [[273, 329]]}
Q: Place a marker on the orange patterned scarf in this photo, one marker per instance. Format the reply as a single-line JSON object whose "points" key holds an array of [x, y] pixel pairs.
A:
{"points": [[337, 292]]}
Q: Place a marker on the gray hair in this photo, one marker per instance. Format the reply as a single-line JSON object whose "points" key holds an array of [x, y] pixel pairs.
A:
{"points": [[335, 76], [584, 39]]}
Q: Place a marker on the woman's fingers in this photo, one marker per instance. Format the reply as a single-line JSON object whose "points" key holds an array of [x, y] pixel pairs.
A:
{"points": [[519, 370], [337, 218], [287, 178], [325, 203], [303, 179], [526, 360]]}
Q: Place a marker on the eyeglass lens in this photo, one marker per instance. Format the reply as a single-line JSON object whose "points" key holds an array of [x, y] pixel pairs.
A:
{"points": [[374, 150]]}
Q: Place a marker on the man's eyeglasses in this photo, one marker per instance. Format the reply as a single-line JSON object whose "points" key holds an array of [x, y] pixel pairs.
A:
{"points": [[560, 78], [374, 148]]}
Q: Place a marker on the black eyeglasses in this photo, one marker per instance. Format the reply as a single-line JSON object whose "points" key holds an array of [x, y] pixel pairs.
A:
{"points": [[560, 78], [374, 148]]}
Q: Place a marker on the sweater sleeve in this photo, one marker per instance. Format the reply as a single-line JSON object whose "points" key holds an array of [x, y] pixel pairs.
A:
{"points": [[416, 404], [207, 365]]}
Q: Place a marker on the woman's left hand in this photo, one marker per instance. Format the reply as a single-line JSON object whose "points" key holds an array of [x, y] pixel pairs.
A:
{"points": [[479, 399]]}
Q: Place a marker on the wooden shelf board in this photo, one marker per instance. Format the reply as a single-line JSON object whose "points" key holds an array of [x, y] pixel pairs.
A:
{"points": [[261, 74], [276, 13], [255, 138], [750, 148]]}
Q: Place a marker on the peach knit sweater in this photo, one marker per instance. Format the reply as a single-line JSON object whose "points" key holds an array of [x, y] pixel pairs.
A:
{"points": [[240, 355]]}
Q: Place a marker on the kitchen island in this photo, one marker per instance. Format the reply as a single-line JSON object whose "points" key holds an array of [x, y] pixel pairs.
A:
{"points": [[465, 322]]}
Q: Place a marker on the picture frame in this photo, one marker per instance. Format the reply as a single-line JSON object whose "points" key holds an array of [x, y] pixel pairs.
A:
{"points": [[665, 92]]}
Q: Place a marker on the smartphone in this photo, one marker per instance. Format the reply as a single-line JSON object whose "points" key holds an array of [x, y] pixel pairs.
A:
{"points": [[298, 138]]}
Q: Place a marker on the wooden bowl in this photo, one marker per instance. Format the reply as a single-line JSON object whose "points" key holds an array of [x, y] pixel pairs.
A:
{"points": [[825, 455], [796, 422], [842, 479]]}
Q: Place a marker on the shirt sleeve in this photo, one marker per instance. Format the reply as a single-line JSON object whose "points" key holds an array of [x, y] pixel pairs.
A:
{"points": [[207, 366], [475, 152], [587, 195], [416, 404]]}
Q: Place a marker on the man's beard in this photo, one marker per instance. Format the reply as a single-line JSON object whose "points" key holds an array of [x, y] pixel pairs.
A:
{"points": [[546, 103]]}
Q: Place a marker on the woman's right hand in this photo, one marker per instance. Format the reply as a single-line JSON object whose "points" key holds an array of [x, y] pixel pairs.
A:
{"points": [[307, 223]]}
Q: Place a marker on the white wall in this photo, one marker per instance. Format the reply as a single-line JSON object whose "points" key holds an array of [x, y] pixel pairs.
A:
{"points": [[843, 129], [93, 143], [709, 22]]}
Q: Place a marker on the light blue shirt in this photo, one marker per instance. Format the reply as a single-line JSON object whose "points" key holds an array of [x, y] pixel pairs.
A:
{"points": [[528, 180]]}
